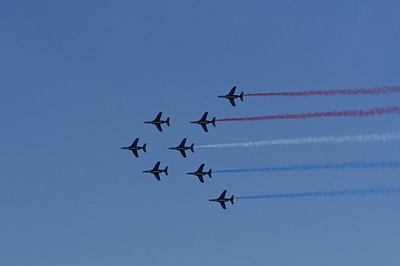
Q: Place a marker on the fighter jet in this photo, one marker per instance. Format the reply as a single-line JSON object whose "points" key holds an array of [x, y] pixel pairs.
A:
{"points": [[199, 173], [203, 122], [156, 171], [134, 147], [157, 122], [222, 199], [182, 148], [231, 96]]}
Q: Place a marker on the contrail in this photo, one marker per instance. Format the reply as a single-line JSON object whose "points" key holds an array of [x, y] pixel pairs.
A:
{"points": [[363, 91], [310, 140], [356, 112], [329, 193], [317, 166]]}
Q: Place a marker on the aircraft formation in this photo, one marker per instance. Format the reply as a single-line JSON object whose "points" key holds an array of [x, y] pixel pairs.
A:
{"points": [[205, 123], [183, 149]]}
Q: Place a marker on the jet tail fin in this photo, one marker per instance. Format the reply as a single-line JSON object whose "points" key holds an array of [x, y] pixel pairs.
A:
{"points": [[167, 121], [231, 199], [209, 173], [192, 147], [213, 121], [144, 147], [166, 170], [241, 96]]}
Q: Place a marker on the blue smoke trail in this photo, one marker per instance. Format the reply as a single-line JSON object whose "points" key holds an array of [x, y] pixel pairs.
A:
{"points": [[329, 193], [308, 167]]}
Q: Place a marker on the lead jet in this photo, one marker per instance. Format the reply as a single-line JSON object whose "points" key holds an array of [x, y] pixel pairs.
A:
{"points": [[134, 147], [203, 122], [222, 199], [157, 121], [156, 171], [182, 148], [199, 173], [231, 96]]}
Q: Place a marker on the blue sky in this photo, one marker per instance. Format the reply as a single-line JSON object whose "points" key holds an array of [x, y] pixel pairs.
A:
{"points": [[80, 77]]}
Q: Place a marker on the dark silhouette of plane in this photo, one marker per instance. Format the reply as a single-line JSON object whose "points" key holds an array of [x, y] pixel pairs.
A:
{"points": [[134, 147], [199, 173], [222, 199], [182, 148], [231, 96], [203, 122], [157, 121], [156, 171]]}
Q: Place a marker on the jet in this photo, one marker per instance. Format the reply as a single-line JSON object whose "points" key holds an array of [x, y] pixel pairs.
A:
{"points": [[231, 96], [203, 122], [182, 148], [157, 122], [222, 199], [199, 173], [134, 147], [156, 171]]}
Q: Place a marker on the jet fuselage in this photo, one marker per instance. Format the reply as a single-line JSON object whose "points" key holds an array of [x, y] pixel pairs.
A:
{"points": [[159, 171], [132, 148], [179, 148], [219, 200], [159, 122], [229, 96]]}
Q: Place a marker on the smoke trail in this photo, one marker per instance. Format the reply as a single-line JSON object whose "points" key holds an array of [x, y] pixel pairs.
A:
{"points": [[328, 193], [370, 91], [357, 112], [309, 140], [309, 167]]}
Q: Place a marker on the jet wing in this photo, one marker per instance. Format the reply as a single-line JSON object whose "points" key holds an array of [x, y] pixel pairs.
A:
{"points": [[183, 143], [157, 176], [183, 153], [135, 142], [157, 166], [201, 168], [159, 127], [204, 126], [232, 102], [232, 92], [204, 117], [158, 117], [223, 205], [222, 195], [135, 153], [201, 178]]}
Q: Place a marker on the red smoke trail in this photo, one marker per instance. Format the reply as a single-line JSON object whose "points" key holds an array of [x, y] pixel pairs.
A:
{"points": [[368, 112], [377, 90]]}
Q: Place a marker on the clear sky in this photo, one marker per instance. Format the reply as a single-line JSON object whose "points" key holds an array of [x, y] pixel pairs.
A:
{"points": [[79, 78]]}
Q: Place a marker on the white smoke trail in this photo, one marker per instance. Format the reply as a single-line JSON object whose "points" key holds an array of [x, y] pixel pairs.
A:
{"points": [[328, 193], [310, 140]]}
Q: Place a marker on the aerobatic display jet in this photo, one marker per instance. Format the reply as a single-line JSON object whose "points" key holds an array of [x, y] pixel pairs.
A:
{"points": [[231, 96], [156, 171], [157, 121], [222, 199], [203, 122], [134, 147], [199, 173], [182, 148]]}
